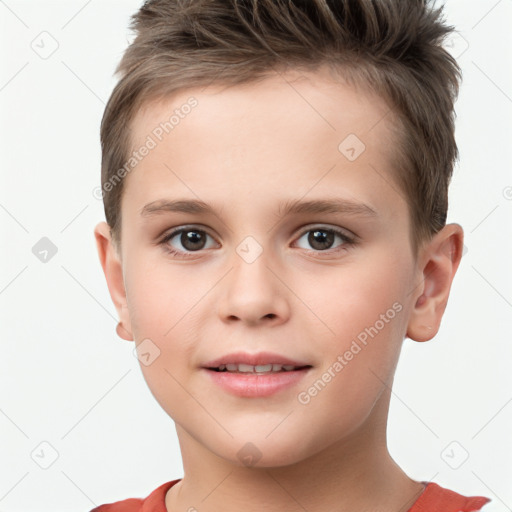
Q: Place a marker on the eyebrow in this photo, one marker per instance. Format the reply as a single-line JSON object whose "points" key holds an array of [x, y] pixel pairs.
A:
{"points": [[295, 206]]}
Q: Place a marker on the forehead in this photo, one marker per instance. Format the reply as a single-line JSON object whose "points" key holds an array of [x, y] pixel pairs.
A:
{"points": [[291, 134], [316, 99]]}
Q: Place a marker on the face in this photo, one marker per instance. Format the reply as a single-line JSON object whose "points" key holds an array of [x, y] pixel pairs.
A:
{"points": [[239, 273]]}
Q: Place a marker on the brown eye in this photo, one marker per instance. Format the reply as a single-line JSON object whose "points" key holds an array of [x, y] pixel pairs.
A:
{"points": [[322, 239], [186, 240], [193, 240]]}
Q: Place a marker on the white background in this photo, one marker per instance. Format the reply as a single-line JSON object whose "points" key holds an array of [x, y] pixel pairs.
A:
{"points": [[66, 378]]}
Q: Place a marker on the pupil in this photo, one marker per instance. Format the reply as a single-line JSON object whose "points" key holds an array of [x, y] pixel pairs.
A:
{"points": [[320, 239]]}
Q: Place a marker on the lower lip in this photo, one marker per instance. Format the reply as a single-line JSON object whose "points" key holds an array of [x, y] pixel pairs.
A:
{"points": [[256, 385]]}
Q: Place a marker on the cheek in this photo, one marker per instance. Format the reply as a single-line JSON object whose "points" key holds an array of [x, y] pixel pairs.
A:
{"points": [[160, 298], [362, 313], [356, 296], [164, 306]]}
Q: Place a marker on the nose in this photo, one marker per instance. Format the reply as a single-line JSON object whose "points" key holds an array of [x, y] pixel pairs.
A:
{"points": [[254, 293]]}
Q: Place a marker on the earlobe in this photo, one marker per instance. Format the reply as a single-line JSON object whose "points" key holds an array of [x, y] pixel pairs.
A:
{"points": [[439, 262], [123, 333], [113, 270]]}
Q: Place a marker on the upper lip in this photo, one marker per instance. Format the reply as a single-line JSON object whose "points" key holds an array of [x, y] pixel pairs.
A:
{"points": [[259, 358]]}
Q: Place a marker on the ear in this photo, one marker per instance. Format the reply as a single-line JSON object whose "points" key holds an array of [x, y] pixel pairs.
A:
{"points": [[112, 268], [439, 261]]}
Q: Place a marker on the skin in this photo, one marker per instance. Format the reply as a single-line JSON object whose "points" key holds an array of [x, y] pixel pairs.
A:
{"points": [[243, 150]]}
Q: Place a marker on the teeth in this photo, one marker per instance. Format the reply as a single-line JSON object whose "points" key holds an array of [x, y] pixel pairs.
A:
{"points": [[249, 368], [264, 368]]}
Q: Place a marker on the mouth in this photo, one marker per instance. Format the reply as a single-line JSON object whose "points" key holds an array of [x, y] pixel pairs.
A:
{"points": [[255, 375], [261, 369]]}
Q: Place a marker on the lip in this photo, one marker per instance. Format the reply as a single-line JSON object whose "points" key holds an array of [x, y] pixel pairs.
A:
{"points": [[258, 358], [251, 385]]}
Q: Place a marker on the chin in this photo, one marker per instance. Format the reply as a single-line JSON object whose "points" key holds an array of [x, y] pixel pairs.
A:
{"points": [[264, 453]]}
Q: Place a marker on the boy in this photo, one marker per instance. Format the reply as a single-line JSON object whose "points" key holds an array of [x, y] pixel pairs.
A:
{"points": [[305, 148]]}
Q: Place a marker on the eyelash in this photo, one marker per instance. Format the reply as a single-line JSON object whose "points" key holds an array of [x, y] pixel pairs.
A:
{"points": [[348, 241]]}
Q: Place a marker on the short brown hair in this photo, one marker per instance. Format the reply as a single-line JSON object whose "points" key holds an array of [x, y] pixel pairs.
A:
{"points": [[393, 47]]}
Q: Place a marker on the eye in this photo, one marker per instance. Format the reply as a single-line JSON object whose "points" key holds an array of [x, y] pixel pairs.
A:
{"points": [[321, 238], [191, 239]]}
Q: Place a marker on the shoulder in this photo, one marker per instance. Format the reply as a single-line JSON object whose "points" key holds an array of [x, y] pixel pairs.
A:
{"points": [[154, 502], [436, 498]]}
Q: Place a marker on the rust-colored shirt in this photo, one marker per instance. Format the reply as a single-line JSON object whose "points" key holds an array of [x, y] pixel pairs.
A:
{"points": [[434, 498]]}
